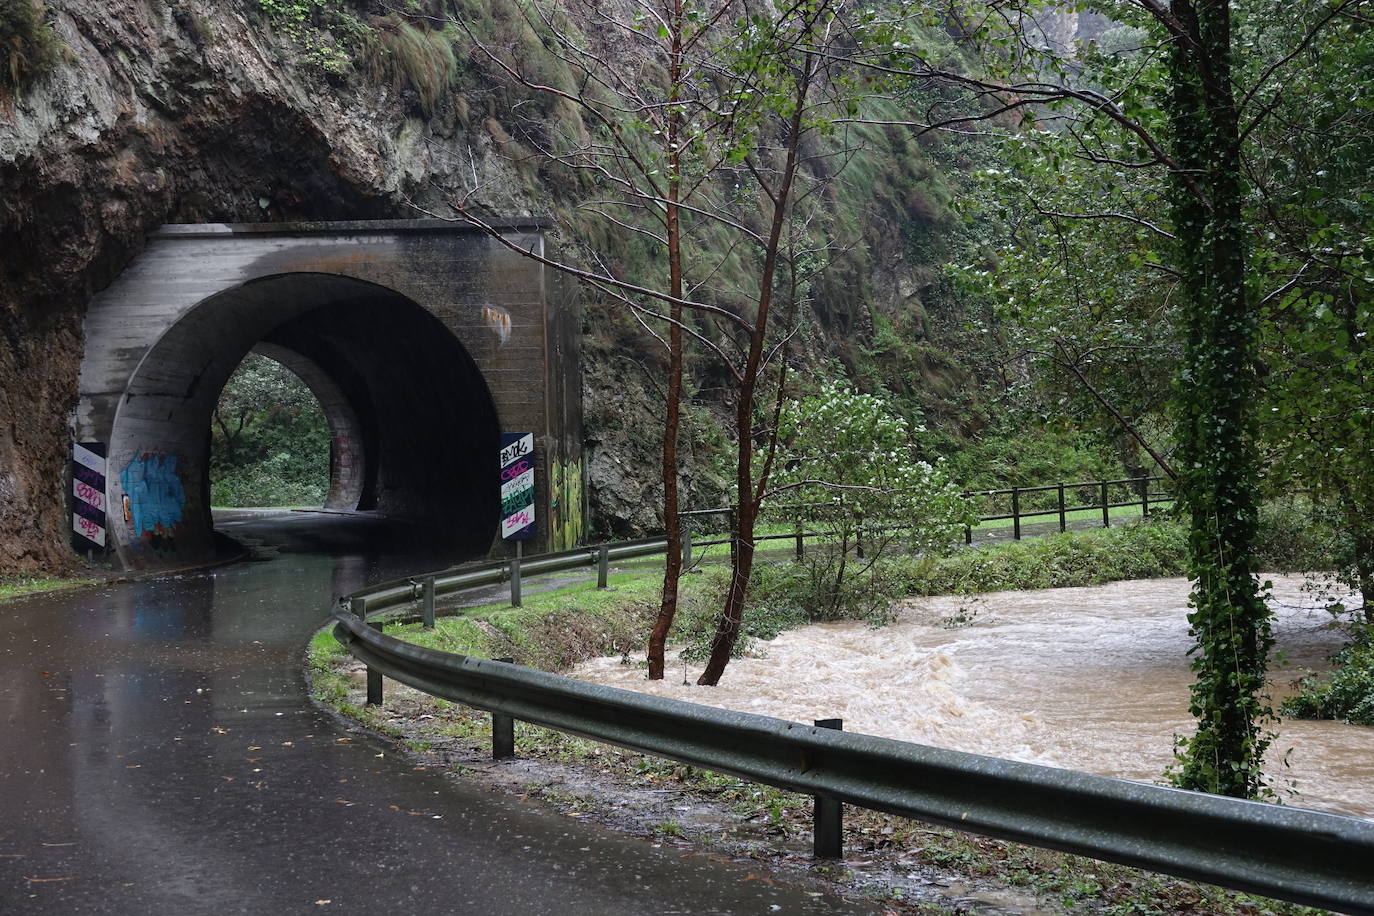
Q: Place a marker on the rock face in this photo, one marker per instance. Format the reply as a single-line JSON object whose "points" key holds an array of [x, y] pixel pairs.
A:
{"points": [[197, 112], [174, 113]]}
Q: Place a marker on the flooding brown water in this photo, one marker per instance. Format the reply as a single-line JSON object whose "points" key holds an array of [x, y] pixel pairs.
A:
{"points": [[1092, 679]]}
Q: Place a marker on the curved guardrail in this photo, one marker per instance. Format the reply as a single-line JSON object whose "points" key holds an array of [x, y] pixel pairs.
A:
{"points": [[1292, 854], [403, 591]]}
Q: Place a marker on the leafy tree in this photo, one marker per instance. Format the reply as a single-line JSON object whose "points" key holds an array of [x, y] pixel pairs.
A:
{"points": [[1313, 195], [847, 465], [1190, 126], [269, 439]]}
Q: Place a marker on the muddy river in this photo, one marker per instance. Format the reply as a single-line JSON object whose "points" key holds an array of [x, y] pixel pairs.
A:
{"points": [[1091, 679]]}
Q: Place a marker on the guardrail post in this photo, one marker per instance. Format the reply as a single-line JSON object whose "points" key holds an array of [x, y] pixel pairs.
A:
{"points": [[827, 817], [687, 546], [374, 677], [1106, 508], [800, 549], [1144, 497], [603, 567], [1063, 517], [502, 730], [968, 535], [1016, 513], [427, 605], [515, 576]]}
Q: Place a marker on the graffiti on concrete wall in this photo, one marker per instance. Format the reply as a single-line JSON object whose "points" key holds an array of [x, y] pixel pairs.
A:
{"points": [[565, 509], [154, 498]]}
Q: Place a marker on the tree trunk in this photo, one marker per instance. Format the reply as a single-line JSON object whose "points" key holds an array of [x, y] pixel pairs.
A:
{"points": [[750, 492], [672, 522], [1219, 465]]}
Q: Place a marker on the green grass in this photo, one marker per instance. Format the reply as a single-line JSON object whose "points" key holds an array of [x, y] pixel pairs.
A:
{"points": [[553, 630], [19, 586], [1121, 514]]}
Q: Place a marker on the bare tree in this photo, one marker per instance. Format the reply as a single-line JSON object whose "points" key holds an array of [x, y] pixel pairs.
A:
{"points": [[695, 133]]}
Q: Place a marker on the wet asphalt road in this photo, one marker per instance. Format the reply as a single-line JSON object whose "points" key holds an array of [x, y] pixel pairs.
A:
{"points": [[159, 754]]}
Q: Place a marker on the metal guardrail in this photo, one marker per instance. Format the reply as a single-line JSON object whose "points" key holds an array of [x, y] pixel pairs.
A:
{"points": [[1306, 857], [404, 591]]}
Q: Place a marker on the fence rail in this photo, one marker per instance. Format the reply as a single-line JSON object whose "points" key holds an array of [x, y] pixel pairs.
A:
{"points": [[1139, 488], [1302, 856]]}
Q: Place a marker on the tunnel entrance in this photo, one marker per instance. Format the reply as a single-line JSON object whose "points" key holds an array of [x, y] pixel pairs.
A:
{"points": [[412, 429], [270, 439]]}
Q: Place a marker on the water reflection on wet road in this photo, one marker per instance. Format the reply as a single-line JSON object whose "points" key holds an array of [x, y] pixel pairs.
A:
{"points": [[159, 754]]}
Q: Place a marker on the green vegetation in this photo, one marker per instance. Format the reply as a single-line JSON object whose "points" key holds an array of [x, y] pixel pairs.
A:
{"points": [[1135, 551], [269, 439], [1348, 693], [552, 630], [846, 462], [28, 46], [329, 32], [403, 53], [19, 586]]}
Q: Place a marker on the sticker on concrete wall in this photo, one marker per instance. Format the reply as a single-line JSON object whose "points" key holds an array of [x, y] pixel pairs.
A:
{"points": [[517, 486], [499, 320], [88, 495]]}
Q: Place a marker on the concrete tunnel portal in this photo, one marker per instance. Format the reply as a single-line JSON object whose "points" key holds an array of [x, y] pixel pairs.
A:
{"points": [[413, 426], [418, 377]]}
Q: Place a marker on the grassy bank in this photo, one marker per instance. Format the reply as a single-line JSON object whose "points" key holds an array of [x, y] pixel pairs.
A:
{"points": [[19, 586]]}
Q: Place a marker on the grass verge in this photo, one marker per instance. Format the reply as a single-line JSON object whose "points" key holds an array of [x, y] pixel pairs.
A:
{"points": [[19, 586]]}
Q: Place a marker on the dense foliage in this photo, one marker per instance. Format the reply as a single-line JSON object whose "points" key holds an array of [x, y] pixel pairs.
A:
{"points": [[28, 46], [269, 440], [1348, 693], [847, 469]]}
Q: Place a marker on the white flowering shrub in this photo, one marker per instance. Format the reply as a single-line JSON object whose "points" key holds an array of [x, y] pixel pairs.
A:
{"points": [[847, 470]]}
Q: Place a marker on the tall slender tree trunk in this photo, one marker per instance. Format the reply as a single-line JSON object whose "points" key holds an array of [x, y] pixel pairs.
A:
{"points": [[672, 521], [749, 491], [1218, 469]]}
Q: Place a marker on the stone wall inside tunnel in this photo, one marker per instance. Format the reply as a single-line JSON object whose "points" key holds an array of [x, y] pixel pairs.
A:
{"points": [[423, 342]]}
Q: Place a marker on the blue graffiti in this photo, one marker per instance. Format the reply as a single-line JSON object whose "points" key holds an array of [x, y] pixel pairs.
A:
{"points": [[156, 496]]}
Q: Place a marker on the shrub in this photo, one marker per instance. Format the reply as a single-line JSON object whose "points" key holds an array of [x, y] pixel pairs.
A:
{"points": [[420, 57], [1348, 694], [1137, 551], [28, 46]]}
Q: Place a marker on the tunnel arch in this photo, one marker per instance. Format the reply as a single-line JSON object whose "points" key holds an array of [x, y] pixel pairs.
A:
{"points": [[414, 419]]}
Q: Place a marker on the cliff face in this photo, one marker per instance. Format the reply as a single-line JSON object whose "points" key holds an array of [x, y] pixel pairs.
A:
{"points": [[196, 111], [172, 113]]}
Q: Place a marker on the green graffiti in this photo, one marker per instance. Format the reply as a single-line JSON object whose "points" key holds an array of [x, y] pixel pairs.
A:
{"points": [[565, 509]]}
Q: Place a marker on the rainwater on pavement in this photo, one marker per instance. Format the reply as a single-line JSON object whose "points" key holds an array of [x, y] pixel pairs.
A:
{"points": [[159, 754]]}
